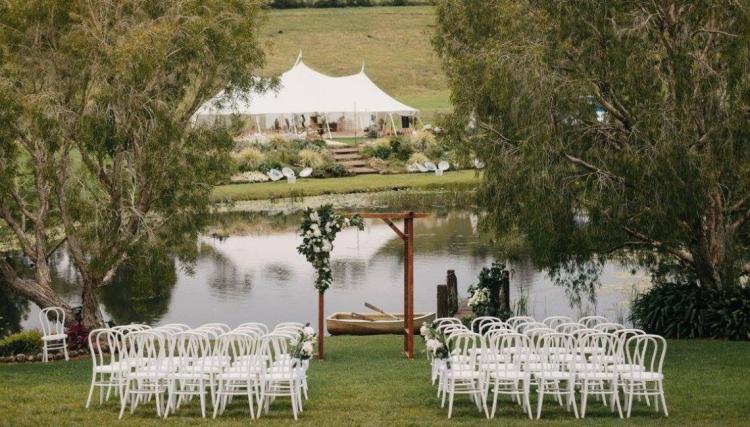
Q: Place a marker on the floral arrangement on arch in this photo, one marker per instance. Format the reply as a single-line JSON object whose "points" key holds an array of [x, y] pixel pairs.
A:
{"points": [[303, 345], [318, 231], [435, 341]]}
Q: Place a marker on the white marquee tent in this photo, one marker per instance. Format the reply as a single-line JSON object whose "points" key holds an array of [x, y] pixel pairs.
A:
{"points": [[304, 91]]}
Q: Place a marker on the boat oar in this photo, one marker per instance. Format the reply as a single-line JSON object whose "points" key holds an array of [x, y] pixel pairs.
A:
{"points": [[380, 310], [360, 316]]}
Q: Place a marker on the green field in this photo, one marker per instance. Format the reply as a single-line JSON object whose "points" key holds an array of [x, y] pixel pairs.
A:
{"points": [[356, 184], [365, 381], [394, 43]]}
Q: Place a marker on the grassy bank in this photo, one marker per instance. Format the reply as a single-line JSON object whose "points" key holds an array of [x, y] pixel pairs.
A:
{"points": [[394, 43], [355, 184], [365, 381]]}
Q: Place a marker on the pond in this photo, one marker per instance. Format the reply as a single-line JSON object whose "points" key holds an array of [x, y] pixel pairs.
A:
{"points": [[247, 269]]}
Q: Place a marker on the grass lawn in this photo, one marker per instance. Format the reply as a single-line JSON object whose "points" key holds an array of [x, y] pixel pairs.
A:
{"points": [[354, 184], [394, 42], [365, 381]]}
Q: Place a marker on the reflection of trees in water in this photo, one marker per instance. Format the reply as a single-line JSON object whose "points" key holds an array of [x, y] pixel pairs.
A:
{"points": [[141, 290], [278, 271], [252, 223], [348, 271], [225, 277], [13, 309]]}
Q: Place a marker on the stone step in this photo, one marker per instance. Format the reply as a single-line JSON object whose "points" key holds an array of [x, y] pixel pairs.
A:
{"points": [[344, 150], [354, 163], [363, 170], [352, 156]]}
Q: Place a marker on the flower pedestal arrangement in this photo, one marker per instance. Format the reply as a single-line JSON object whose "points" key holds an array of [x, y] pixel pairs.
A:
{"points": [[318, 231]]}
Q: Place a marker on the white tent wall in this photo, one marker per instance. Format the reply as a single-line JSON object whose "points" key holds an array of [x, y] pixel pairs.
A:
{"points": [[305, 92]]}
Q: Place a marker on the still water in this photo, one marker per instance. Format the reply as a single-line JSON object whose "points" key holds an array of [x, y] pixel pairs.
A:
{"points": [[248, 270]]}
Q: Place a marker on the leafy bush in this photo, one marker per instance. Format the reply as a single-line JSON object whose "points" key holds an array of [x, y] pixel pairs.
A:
{"points": [[421, 140], [401, 148], [78, 336], [380, 148], [417, 158], [331, 169], [311, 158], [687, 310], [26, 342], [249, 159]]}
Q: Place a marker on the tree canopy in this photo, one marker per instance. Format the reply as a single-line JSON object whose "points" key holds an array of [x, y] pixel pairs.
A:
{"points": [[610, 130], [97, 152]]}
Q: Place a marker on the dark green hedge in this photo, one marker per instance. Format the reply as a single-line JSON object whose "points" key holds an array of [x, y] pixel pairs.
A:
{"points": [[686, 310], [27, 342]]}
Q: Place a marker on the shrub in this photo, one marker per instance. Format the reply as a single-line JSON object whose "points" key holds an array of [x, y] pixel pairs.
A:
{"points": [[417, 158], [249, 159], [401, 148], [421, 140], [484, 295], [26, 342], [687, 310], [78, 336], [311, 158], [380, 148], [277, 142], [331, 169]]}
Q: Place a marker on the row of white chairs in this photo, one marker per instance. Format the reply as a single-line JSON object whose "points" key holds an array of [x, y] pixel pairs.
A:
{"points": [[558, 356], [172, 364]]}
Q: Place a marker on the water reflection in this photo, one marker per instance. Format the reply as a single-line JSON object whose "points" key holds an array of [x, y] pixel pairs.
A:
{"points": [[248, 270]]}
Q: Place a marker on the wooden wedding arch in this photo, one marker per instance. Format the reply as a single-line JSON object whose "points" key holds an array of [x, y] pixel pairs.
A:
{"points": [[407, 236]]}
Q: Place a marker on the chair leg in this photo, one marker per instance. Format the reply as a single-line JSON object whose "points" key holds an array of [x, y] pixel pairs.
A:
{"points": [[584, 397], [494, 401], [91, 390], [572, 397], [660, 385], [527, 399], [541, 399], [630, 398], [65, 348], [451, 390]]}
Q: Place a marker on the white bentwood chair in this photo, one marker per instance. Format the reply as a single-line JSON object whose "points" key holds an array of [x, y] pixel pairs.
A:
{"points": [[105, 345], [648, 351], [54, 337]]}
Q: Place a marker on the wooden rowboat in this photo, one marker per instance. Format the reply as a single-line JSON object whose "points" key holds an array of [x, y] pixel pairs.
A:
{"points": [[343, 323]]}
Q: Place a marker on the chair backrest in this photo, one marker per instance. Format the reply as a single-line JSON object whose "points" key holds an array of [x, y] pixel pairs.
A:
{"points": [[453, 328], [515, 320], [647, 350], [193, 348], [239, 348], [525, 326], [591, 321], [52, 320], [605, 346], [147, 347], [465, 346], [478, 321], [445, 321], [567, 328], [105, 345], [609, 327], [552, 344], [553, 321], [294, 324], [259, 325], [488, 327]]}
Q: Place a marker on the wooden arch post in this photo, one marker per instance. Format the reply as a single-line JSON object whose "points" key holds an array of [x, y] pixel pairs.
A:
{"points": [[407, 235]]}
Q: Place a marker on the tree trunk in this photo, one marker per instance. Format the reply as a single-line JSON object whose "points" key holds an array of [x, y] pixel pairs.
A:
{"points": [[91, 314], [41, 295]]}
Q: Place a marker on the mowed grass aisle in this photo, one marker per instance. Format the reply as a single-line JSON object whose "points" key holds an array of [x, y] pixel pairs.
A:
{"points": [[365, 381]]}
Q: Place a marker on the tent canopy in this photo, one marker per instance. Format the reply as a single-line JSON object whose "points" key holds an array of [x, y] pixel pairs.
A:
{"points": [[303, 90]]}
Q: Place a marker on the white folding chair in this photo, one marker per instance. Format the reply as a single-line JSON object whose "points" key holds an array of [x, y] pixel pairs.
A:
{"points": [[594, 376], [54, 337], [242, 377], [550, 373], [106, 372], [461, 374], [503, 374], [648, 351], [283, 376]]}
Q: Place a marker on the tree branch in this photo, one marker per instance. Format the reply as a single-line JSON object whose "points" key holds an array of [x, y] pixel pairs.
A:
{"points": [[681, 254]]}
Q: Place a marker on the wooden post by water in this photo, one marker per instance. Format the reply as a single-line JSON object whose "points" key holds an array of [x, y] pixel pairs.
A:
{"points": [[452, 293], [505, 292], [442, 301]]}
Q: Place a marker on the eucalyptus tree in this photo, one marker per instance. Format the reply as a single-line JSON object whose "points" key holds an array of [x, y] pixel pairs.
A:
{"points": [[610, 129], [97, 151]]}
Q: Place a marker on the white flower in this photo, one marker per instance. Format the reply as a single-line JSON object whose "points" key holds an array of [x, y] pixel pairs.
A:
{"points": [[433, 345], [316, 232], [314, 216], [424, 331], [308, 331], [316, 249], [307, 348], [346, 222], [326, 246]]}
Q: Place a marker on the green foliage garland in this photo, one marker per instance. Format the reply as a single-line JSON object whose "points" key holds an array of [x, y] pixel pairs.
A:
{"points": [[318, 230]]}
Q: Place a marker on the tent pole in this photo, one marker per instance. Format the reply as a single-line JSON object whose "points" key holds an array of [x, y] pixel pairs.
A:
{"points": [[328, 128], [393, 124], [257, 123], [356, 117]]}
